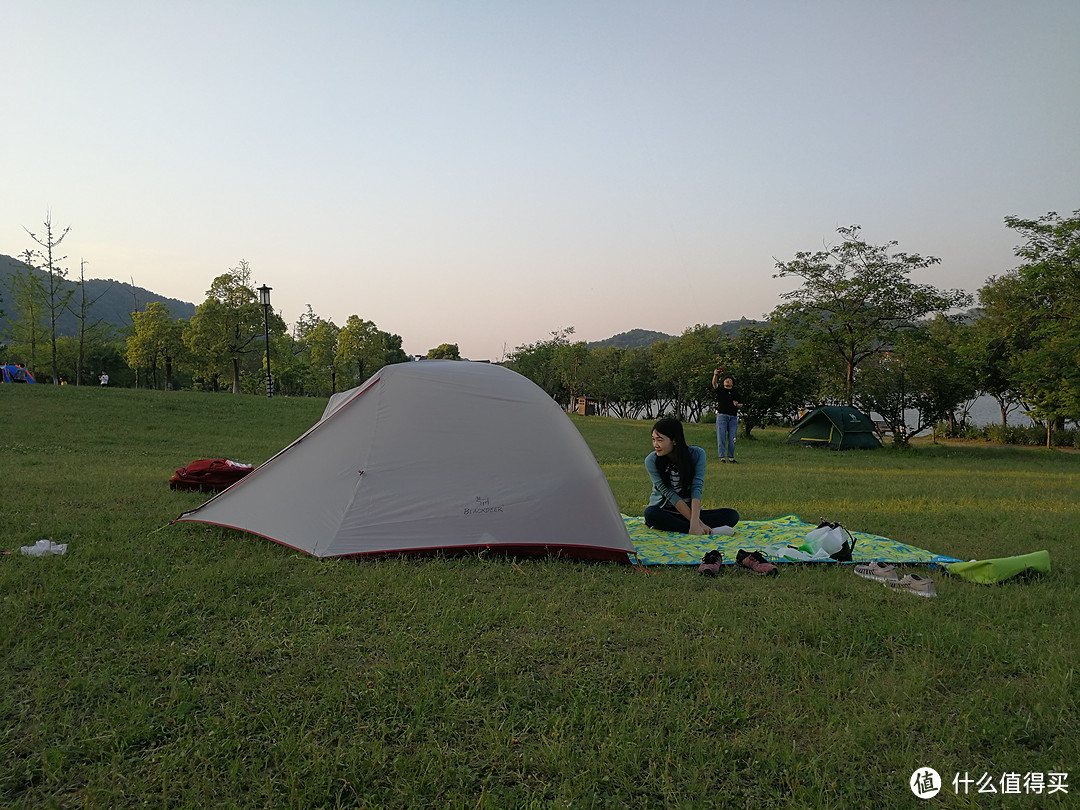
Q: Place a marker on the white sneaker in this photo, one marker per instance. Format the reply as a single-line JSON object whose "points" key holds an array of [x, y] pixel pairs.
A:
{"points": [[920, 586], [877, 571], [725, 530]]}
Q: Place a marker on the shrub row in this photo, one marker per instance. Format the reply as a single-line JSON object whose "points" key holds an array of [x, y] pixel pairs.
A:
{"points": [[1013, 434]]}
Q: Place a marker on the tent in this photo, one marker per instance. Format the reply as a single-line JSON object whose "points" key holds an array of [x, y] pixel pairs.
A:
{"points": [[840, 427], [433, 455], [15, 374]]}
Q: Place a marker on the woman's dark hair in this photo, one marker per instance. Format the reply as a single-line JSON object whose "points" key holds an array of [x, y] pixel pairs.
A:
{"points": [[673, 429]]}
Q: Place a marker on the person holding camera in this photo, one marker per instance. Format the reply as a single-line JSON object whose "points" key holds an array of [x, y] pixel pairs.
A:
{"points": [[728, 402]]}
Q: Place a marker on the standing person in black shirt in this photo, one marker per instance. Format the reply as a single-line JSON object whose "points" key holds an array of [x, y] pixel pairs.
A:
{"points": [[728, 402]]}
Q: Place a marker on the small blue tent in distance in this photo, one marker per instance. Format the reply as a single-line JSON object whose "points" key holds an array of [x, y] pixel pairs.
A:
{"points": [[16, 374]]}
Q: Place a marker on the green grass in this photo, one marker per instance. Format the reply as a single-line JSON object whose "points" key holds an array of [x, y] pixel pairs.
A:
{"points": [[190, 666]]}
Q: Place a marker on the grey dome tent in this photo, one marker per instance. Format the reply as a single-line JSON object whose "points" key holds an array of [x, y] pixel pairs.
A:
{"points": [[433, 455], [840, 427]]}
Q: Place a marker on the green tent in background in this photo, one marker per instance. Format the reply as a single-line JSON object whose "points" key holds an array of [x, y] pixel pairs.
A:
{"points": [[837, 426]]}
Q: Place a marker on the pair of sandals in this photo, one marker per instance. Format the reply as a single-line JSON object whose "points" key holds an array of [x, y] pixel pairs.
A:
{"points": [[753, 561]]}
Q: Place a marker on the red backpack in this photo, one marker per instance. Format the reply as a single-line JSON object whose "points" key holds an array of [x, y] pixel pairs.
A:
{"points": [[209, 475]]}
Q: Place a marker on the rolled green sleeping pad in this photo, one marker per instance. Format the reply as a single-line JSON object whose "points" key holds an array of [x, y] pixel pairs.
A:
{"points": [[1001, 568]]}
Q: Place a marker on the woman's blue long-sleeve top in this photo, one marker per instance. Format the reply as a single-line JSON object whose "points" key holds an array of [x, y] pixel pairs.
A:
{"points": [[664, 496]]}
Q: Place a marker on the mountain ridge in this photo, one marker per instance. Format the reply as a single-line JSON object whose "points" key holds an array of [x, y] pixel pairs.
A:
{"points": [[641, 338], [112, 302], [108, 301]]}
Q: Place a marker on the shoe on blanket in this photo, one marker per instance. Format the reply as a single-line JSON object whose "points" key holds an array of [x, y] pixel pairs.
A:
{"points": [[724, 530], [755, 561], [877, 571], [710, 563], [913, 583]]}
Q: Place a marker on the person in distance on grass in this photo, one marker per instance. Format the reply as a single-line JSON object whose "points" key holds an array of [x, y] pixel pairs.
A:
{"points": [[728, 402], [677, 472]]}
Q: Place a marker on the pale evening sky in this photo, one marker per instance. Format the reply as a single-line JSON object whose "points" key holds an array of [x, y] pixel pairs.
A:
{"points": [[485, 173]]}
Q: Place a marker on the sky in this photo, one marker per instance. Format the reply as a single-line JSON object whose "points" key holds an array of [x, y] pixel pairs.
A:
{"points": [[489, 172]]}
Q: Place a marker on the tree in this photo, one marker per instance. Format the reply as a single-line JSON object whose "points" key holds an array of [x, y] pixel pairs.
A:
{"points": [[88, 332], [535, 361], [953, 377], [923, 374], [635, 381], [1049, 371], [622, 380], [156, 341], [986, 348], [1033, 317], [28, 325], [228, 325], [571, 362], [855, 298], [684, 369], [359, 346], [317, 340], [393, 353], [600, 376], [56, 296], [365, 347], [444, 351], [771, 386]]}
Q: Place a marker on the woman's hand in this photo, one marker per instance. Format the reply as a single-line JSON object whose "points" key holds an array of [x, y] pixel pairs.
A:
{"points": [[697, 527]]}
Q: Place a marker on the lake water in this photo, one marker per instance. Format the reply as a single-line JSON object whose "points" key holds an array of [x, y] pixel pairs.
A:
{"points": [[984, 411]]}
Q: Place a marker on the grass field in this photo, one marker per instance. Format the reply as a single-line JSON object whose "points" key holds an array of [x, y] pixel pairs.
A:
{"points": [[189, 666]]}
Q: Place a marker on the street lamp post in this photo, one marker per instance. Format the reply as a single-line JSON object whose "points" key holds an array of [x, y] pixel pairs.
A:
{"points": [[264, 297]]}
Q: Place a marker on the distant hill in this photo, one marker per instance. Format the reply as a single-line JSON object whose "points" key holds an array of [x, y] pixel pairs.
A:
{"points": [[639, 338], [108, 301], [634, 339]]}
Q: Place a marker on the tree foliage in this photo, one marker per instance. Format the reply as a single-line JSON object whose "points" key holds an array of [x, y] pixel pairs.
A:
{"points": [[855, 298], [444, 351], [771, 384], [1034, 313], [227, 326], [316, 342], [28, 324], [858, 330], [363, 347], [536, 361], [156, 342], [922, 375]]}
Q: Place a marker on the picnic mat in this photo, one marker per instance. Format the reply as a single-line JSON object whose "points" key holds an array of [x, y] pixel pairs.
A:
{"points": [[767, 536]]}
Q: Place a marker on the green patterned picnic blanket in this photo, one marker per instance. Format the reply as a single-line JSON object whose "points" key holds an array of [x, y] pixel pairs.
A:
{"points": [[770, 537]]}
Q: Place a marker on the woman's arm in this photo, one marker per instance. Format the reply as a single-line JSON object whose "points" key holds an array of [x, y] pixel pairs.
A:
{"points": [[667, 493], [697, 458], [692, 512]]}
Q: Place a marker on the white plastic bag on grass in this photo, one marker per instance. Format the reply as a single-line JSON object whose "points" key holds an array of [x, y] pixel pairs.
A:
{"points": [[43, 547]]}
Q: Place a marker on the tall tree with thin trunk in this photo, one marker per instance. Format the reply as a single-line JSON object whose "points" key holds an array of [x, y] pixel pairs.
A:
{"points": [[82, 315], [57, 296]]}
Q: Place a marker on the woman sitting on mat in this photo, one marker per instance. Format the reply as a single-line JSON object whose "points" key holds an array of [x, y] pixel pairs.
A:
{"points": [[678, 475]]}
